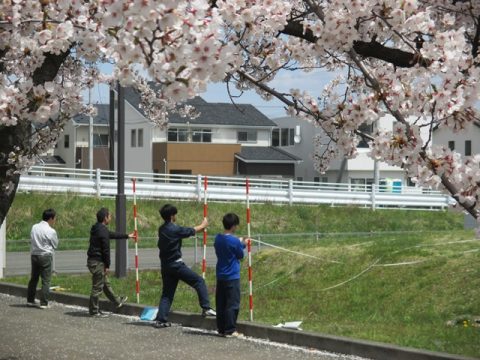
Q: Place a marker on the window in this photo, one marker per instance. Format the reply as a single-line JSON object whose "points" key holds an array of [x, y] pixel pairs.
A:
{"points": [[291, 133], [366, 129], [468, 147], [100, 140], [316, 179], [195, 135], [324, 179], [276, 137], [357, 184], [133, 138], [201, 135], [66, 141], [247, 136], [299, 178], [172, 135], [140, 138], [451, 145], [207, 135], [283, 137]]}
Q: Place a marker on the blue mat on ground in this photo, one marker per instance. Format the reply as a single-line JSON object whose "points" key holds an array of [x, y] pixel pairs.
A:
{"points": [[149, 313]]}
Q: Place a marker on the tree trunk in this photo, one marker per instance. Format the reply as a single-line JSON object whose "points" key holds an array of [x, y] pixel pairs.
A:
{"points": [[10, 138]]}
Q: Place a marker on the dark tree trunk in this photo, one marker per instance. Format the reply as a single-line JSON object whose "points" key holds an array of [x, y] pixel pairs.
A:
{"points": [[10, 136], [18, 139]]}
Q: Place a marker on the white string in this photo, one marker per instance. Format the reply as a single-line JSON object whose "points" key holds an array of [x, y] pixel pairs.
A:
{"points": [[352, 278], [374, 264], [296, 252]]}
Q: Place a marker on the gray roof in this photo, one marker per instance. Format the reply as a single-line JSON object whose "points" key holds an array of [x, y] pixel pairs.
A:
{"points": [[100, 119], [265, 154], [475, 122], [211, 113]]}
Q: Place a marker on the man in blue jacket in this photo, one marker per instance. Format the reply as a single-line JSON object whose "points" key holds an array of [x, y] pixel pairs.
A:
{"points": [[229, 250], [173, 269]]}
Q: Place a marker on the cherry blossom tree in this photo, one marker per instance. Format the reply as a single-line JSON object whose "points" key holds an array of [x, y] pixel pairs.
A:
{"points": [[46, 48], [415, 60]]}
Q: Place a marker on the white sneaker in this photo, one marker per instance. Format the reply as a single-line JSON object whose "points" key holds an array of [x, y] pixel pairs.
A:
{"points": [[32, 304], [235, 334], [44, 306], [209, 312]]}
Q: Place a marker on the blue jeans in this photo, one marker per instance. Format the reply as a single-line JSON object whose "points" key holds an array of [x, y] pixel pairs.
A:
{"points": [[227, 298], [171, 274]]}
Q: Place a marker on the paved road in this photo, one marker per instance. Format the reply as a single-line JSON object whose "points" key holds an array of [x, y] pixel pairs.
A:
{"points": [[65, 332], [74, 261]]}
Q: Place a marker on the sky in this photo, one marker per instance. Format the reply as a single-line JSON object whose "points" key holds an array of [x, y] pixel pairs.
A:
{"points": [[313, 82]]}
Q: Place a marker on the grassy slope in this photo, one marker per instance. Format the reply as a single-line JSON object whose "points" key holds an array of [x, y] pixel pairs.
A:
{"points": [[406, 305], [76, 214]]}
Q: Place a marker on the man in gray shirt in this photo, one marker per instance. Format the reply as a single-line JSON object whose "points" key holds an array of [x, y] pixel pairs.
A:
{"points": [[44, 241]]}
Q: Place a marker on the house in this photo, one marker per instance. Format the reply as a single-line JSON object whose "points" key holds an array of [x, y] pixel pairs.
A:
{"points": [[296, 137], [73, 145], [224, 140], [465, 142]]}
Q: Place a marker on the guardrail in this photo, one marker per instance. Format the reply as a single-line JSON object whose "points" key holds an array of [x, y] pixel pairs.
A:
{"points": [[149, 185]]}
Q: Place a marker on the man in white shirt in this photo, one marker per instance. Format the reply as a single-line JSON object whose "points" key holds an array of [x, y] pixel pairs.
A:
{"points": [[43, 241]]}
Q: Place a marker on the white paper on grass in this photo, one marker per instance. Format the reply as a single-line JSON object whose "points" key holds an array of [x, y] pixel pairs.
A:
{"points": [[294, 325]]}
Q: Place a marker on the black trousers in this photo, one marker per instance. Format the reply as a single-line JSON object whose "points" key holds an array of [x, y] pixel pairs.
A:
{"points": [[171, 275], [227, 299], [41, 267]]}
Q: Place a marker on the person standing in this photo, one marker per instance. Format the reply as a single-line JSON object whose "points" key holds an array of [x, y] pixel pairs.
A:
{"points": [[173, 268], [229, 251], [43, 242], [98, 262]]}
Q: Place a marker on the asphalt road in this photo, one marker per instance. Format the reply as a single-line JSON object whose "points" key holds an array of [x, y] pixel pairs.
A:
{"points": [[75, 261], [65, 332]]}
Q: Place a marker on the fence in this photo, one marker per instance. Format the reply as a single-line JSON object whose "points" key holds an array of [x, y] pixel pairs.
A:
{"points": [[104, 183]]}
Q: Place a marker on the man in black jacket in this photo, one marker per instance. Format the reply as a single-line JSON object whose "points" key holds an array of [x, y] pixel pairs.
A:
{"points": [[99, 262]]}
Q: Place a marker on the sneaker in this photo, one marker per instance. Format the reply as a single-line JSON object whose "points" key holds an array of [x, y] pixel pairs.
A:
{"points": [[235, 334], [44, 306], [208, 312], [122, 300], [32, 304], [99, 315], [160, 324]]}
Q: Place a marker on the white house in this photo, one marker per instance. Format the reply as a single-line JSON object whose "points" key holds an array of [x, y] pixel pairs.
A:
{"points": [[225, 140], [296, 136], [466, 142], [73, 145]]}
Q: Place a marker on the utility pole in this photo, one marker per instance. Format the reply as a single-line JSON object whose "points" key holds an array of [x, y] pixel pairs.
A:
{"points": [[90, 136], [120, 199], [111, 131]]}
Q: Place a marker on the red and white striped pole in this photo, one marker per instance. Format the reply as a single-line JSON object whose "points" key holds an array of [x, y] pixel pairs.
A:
{"points": [[205, 213], [135, 231], [249, 249]]}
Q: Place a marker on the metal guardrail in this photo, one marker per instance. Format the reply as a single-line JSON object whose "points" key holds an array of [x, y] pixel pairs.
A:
{"points": [[150, 185]]}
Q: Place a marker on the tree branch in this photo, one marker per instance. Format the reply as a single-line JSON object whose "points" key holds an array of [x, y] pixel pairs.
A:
{"points": [[49, 68], [476, 40], [372, 49]]}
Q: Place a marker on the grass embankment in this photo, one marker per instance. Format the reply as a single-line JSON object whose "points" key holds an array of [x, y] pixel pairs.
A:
{"points": [[408, 305], [76, 214]]}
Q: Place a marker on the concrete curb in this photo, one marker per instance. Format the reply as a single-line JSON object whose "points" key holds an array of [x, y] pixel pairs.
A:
{"points": [[337, 344]]}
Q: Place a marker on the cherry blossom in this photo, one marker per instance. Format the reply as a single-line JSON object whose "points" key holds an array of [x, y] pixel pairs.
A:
{"points": [[417, 61]]}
